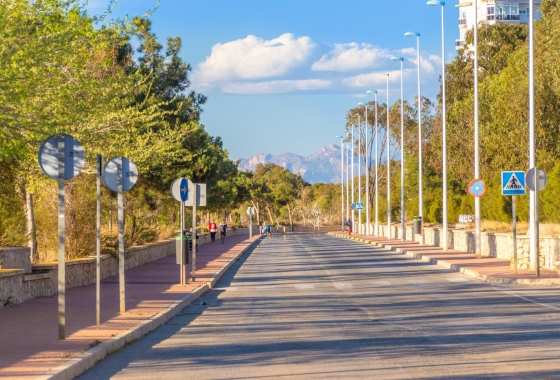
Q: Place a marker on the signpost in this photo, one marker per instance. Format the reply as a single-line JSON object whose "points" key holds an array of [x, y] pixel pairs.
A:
{"points": [[98, 244], [180, 191], [250, 212], [198, 198], [477, 188], [536, 181], [513, 183], [359, 206], [120, 175], [62, 158]]}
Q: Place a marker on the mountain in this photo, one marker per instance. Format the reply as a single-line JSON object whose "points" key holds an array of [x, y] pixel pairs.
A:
{"points": [[321, 166]]}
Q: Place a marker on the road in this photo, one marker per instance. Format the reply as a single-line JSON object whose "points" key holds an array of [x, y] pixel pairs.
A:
{"points": [[317, 307]]}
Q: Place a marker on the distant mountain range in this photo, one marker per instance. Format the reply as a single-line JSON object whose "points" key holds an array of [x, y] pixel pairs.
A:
{"points": [[322, 166]]}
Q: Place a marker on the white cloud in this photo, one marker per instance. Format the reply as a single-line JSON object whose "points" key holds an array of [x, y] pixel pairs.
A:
{"points": [[352, 57], [276, 86], [253, 58], [376, 80]]}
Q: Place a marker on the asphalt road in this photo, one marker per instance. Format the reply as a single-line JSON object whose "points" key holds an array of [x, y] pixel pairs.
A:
{"points": [[318, 307]]}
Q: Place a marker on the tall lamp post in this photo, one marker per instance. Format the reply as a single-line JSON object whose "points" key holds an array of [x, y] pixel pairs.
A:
{"points": [[444, 119], [341, 181], [347, 181], [533, 195], [359, 173], [403, 230], [352, 157], [477, 215], [388, 133], [376, 166], [368, 153], [420, 184], [367, 162]]}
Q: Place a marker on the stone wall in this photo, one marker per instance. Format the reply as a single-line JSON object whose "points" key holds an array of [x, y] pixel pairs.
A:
{"points": [[15, 258], [498, 245], [22, 285]]}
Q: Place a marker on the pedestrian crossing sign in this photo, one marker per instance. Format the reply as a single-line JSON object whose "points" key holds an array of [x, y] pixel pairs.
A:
{"points": [[359, 205], [513, 183]]}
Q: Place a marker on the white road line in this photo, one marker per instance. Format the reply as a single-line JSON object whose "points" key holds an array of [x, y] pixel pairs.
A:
{"points": [[266, 287], [381, 283], [530, 300], [304, 286], [457, 279], [418, 281], [342, 285], [226, 288]]}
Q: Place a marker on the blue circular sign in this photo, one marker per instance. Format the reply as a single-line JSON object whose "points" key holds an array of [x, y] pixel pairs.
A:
{"points": [[184, 189], [477, 188]]}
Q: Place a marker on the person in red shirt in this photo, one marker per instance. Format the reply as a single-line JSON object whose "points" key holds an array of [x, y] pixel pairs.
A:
{"points": [[213, 229]]}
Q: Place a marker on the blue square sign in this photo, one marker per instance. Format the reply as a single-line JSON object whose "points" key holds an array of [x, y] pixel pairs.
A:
{"points": [[513, 183]]}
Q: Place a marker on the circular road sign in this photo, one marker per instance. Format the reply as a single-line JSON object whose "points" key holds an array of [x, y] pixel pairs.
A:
{"points": [[129, 173], [477, 188], [180, 189], [74, 156], [541, 179]]}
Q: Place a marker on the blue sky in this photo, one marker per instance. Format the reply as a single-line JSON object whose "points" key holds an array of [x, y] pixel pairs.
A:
{"points": [[281, 75]]}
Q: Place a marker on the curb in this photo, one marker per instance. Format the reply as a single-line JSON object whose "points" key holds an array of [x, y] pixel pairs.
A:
{"points": [[81, 363], [459, 269]]}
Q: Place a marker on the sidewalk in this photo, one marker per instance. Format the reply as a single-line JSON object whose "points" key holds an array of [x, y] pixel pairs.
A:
{"points": [[29, 345], [487, 269]]}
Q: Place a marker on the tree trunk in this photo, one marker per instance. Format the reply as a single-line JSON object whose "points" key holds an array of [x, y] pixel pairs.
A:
{"points": [[269, 213], [256, 206], [290, 215], [31, 230]]}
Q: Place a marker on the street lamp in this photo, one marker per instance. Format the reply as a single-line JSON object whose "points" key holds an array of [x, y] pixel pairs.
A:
{"points": [[444, 119], [477, 220], [352, 156], [341, 180], [403, 230], [420, 185], [367, 162], [359, 173], [347, 182], [376, 160], [533, 195], [388, 133]]}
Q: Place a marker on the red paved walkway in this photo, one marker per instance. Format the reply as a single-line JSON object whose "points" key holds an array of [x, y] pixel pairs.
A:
{"points": [[28, 342], [486, 266]]}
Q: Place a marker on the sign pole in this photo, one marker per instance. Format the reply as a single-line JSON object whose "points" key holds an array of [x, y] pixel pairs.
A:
{"points": [[182, 265], [61, 242], [121, 233], [195, 191], [514, 218], [250, 225], [537, 242], [98, 245]]}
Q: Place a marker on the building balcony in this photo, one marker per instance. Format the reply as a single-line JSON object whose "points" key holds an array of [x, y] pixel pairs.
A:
{"points": [[459, 44], [502, 17], [462, 21]]}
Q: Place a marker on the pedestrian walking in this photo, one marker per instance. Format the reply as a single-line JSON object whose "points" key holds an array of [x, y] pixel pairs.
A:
{"points": [[213, 229], [349, 227], [267, 229], [223, 228], [260, 227]]}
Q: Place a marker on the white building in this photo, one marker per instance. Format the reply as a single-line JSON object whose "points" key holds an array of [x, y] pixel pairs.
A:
{"points": [[493, 12]]}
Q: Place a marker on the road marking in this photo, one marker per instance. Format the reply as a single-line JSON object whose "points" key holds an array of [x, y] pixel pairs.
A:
{"points": [[304, 286], [418, 281], [342, 285], [226, 288], [530, 300], [381, 283], [457, 279]]}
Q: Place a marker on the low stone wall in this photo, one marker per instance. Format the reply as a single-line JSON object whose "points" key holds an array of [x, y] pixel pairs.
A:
{"points": [[498, 245], [23, 286], [15, 258]]}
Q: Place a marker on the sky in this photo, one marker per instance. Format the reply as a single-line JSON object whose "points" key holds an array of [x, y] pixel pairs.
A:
{"points": [[280, 75]]}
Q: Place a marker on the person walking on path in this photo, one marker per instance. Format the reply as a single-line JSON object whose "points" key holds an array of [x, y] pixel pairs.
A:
{"points": [[267, 229], [212, 228], [260, 227], [349, 227], [223, 228]]}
